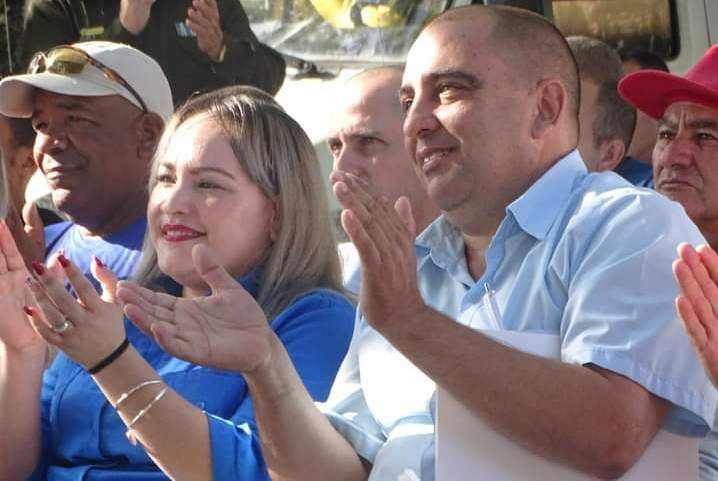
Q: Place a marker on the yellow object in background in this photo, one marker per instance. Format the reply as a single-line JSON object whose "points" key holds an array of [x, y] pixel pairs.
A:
{"points": [[347, 14], [380, 16], [337, 13], [91, 32]]}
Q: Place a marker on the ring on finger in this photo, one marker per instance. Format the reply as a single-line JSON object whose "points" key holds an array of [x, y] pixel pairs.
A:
{"points": [[62, 327]]}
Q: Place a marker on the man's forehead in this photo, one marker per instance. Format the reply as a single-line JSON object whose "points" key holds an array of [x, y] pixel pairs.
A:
{"points": [[371, 92], [691, 111], [43, 98], [355, 123], [438, 51], [378, 106]]}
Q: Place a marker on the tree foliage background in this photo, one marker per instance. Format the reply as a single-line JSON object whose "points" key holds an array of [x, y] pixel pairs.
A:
{"points": [[11, 22]]}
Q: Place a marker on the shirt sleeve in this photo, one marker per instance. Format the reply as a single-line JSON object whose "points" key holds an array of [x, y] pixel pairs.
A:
{"points": [[316, 331], [116, 32], [346, 408], [620, 313]]}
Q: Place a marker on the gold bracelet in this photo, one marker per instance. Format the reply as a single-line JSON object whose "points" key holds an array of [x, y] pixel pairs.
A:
{"points": [[130, 433], [136, 388]]}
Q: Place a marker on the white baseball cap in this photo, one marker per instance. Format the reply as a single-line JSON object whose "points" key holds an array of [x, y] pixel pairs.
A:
{"points": [[140, 71]]}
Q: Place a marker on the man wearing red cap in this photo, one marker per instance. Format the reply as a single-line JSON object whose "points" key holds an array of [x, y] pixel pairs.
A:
{"points": [[685, 158], [685, 163], [685, 168]]}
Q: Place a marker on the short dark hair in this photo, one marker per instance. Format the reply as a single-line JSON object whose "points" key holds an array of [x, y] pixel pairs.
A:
{"points": [[615, 118], [544, 50], [596, 60], [644, 58], [598, 63]]}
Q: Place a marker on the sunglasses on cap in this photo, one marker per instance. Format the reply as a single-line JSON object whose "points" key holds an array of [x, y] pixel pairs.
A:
{"points": [[69, 60]]}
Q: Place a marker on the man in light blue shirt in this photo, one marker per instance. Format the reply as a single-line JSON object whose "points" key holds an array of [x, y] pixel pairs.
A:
{"points": [[528, 241], [585, 257], [565, 269]]}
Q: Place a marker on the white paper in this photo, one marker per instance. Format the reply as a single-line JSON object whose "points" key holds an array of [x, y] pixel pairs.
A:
{"points": [[468, 449]]}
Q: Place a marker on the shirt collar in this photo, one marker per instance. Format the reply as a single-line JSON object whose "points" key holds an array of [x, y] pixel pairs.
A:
{"points": [[443, 243], [440, 234], [537, 208]]}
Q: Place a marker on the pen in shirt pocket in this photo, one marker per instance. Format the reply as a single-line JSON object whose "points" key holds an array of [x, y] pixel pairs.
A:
{"points": [[493, 307]]}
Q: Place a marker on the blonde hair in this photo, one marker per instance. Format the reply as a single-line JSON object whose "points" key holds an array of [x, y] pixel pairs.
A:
{"points": [[278, 156]]}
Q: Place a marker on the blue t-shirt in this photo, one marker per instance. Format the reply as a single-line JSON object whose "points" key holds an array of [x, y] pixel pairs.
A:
{"points": [[84, 437], [636, 172], [119, 251]]}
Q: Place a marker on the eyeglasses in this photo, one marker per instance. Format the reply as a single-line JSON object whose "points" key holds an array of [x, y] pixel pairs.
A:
{"points": [[69, 60]]}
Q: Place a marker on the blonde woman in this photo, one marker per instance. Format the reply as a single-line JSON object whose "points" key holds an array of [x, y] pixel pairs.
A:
{"points": [[235, 184]]}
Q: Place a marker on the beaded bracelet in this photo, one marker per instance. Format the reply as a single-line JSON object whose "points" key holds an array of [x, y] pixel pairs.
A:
{"points": [[111, 358], [130, 433], [133, 390]]}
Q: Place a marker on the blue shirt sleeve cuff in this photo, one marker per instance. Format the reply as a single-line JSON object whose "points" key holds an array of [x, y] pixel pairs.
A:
{"points": [[236, 452], [692, 411]]}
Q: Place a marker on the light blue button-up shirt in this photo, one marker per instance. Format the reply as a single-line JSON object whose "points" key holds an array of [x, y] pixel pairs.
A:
{"points": [[584, 256]]}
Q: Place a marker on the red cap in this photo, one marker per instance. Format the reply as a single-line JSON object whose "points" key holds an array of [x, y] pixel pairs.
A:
{"points": [[652, 91]]}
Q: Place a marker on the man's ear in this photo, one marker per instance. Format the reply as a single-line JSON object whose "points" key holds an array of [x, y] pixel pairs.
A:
{"points": [[550, 103], [149, 129], [612, 153]]}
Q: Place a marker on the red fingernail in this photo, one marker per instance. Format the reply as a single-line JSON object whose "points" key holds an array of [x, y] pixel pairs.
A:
{"points": [[38, 268], [28, 310], [98, 262], [63, 260]]}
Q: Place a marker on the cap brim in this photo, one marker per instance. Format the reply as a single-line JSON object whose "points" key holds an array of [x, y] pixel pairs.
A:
{"points": [[16, 92], [652, 91]]}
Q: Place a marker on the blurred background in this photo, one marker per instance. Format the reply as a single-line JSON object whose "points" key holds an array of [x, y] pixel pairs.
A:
{"points": [[11, 21]]}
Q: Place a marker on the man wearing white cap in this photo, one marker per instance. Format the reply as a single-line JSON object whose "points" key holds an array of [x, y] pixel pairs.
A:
{"points": [[685, 169], [98, 109]]}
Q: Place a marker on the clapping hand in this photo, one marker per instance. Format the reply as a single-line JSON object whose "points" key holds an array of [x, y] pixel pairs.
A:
{"points": [[134, 14], [697, 274], [15, 332], [86, 329], [226, 329], [203, 19], [384, 236]]}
